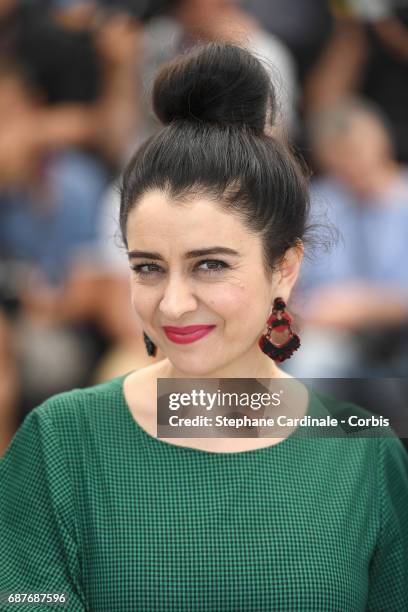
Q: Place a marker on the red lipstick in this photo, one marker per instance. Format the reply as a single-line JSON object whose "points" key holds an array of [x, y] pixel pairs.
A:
{"points": [[185, 335]]}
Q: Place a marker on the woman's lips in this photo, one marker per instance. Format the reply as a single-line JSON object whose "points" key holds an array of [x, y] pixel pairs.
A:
{"points": [[185, 335]]}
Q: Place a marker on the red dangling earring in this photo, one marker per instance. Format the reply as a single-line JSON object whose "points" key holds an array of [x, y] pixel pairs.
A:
{"points": [[279, 321]]}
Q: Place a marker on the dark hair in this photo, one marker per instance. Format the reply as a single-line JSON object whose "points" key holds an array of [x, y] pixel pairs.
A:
{"points": [[215, 103]]}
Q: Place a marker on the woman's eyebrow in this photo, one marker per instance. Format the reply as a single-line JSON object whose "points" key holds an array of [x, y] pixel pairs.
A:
{"points": [[190, 254]]}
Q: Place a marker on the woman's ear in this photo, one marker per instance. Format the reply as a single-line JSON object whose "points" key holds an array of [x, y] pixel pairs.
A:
{"points": [[288, 271]]}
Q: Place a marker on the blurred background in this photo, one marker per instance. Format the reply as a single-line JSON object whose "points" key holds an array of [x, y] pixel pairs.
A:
{"points": [[75, 77]]}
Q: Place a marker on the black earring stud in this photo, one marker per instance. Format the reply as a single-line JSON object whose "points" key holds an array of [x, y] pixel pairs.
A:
{"points": [[150, 346]]}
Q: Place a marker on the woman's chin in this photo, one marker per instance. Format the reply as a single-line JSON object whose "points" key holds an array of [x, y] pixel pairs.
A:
{"points": [[193, 365]]}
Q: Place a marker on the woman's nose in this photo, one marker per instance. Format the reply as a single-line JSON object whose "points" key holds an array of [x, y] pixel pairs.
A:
{"points": [[178, 299]]}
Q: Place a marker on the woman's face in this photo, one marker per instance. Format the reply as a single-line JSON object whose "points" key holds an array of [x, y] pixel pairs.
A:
{"points": [[173, 287]]}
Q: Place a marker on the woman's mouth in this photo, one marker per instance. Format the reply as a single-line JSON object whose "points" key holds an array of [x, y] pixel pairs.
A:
{"points": [[185, 335]]}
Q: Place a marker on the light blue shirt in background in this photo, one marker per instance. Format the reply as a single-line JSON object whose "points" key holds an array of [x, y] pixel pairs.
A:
{"points": [[373, 245]]}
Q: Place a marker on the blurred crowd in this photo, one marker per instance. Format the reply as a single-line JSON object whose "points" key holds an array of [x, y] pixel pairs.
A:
{"points": [[75, 77]]}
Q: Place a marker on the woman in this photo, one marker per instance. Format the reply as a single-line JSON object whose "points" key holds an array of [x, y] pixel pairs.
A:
{"points": [[94, 505]]}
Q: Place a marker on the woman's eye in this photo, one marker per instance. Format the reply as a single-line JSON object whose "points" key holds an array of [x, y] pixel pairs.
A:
{"points": [[214, 265], [140, 269], [149, 269]]}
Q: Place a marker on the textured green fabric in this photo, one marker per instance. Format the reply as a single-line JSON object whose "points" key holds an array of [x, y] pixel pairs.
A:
{"points": [[92, 505]]}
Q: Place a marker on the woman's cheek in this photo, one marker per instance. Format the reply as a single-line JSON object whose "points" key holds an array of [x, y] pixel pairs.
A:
{"points": [[233, 299], [142, 305]]}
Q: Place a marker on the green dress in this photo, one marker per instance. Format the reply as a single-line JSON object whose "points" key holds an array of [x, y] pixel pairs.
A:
{"points": [[93, 506]]}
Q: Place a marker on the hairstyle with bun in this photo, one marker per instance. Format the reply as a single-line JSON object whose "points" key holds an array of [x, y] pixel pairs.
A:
{"points": [[221, 84], [217, 104]]}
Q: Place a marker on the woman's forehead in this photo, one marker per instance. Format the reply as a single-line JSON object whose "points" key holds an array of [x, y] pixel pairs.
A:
{"points": [[157, 217]]}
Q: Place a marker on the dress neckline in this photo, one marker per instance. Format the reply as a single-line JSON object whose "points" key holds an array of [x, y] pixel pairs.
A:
{"points": [[152, 441]]}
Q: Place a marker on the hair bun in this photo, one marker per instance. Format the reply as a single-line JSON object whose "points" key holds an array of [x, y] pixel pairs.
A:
{"points": [[216, 83]]}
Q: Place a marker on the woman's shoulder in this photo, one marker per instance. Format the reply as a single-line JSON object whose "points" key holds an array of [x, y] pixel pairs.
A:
{"points": [[373, 434], [86, 398], [367, 448], [73, 419], [72, 416]]}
